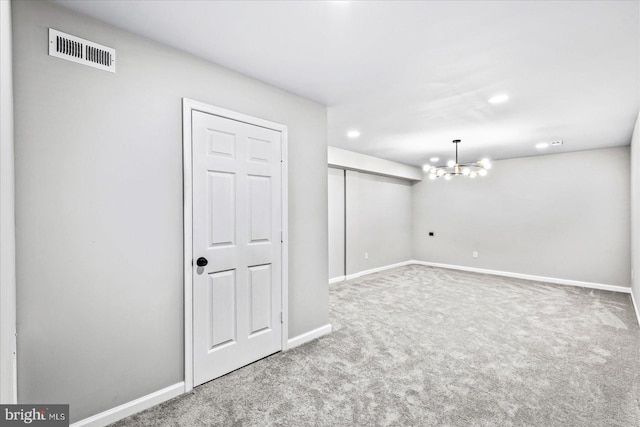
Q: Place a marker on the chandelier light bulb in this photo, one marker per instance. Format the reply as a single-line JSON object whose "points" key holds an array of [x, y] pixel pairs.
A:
{"points": [[432, 176], [472, 175], [466, 171], [482, 172], [447, 177], [440, 172], [451, 163], [485, 163], [426, 168]]}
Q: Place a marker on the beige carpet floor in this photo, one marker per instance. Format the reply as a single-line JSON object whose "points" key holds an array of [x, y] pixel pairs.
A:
{"points": [[423, 346]]}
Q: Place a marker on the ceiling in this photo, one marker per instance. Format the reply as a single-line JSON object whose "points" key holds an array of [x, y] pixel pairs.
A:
{"points": [[412, 76]]}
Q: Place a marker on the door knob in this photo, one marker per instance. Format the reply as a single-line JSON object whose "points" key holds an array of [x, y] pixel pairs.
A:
{"points": [[201, 262]]}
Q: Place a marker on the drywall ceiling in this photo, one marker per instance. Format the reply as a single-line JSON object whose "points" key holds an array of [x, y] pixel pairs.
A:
{"points": [[412, 76]]}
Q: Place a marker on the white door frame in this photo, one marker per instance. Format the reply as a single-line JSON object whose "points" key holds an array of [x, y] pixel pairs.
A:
{"points": [[8, 362], [189, 105]]}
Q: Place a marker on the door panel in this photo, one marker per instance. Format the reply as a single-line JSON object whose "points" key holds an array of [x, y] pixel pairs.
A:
{"points": [[221, 144], [222, 299], [259, 150], [236, 227], [221, 202], [260, 286], [259, 208]]}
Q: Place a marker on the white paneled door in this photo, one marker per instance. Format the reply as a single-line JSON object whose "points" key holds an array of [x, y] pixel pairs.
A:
{"points": [[237, 265]]}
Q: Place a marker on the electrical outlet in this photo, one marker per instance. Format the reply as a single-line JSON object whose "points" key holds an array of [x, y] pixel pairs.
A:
{"points": [[366, 255], [475, 254]]}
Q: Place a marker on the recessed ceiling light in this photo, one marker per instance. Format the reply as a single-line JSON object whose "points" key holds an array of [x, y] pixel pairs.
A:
{"points": [[353, 133], [498, 99], [542, 145], [434, 159], [556, 143]]}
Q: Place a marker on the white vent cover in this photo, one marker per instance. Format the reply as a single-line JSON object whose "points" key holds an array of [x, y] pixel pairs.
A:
{"points": [[82, 51]]}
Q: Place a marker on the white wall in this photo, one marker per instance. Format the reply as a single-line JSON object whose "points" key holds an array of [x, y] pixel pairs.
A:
{"points": [[99, 209], [563, 216], [635, 211], [336, 179], [7, 221], [378, 221]]}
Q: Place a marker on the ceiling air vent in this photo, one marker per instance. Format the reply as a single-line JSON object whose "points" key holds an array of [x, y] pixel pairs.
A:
{"points": [[82, 51]]}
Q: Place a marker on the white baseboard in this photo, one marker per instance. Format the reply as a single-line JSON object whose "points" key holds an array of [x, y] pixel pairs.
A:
{"points": [[308, 336], [635, 307], [119, 412], [602, 286], [378, 269], [337, 279]]}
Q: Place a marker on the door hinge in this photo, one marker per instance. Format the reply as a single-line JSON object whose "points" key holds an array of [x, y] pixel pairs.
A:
{"points": [[281, 317]]}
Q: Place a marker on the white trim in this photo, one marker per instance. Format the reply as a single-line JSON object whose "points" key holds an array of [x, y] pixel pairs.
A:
{"points": [[228, 114], [635, 307], [8, 365], [188, 244], [309, 336], [602, 286], [126, 409], [378, 269], [337, 279], [285, 237], [189, 105]]}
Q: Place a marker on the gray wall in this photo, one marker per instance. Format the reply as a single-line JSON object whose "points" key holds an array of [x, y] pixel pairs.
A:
{"points": [[635, 210], [378, 221], [99, 209], [563, 216], [336, 223]]}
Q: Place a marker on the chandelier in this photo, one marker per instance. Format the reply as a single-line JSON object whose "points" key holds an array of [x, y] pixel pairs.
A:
{"points": [[456, 169]]}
